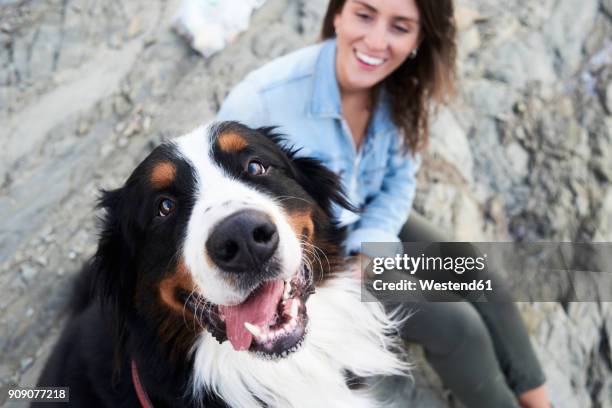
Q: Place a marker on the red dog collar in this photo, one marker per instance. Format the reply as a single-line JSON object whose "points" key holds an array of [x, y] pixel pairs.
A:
{"points": [[145, 402]]}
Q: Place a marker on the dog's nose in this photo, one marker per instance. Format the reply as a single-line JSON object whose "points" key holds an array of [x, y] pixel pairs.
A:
{"points": [[243, 241]]}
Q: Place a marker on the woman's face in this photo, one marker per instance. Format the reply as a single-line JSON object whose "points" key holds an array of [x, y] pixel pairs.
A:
{"points": [[374, 38]]}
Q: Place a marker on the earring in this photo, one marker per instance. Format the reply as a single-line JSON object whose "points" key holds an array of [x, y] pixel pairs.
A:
{"points": [[413, 53]]}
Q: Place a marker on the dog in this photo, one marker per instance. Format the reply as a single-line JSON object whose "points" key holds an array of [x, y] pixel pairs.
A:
{"points": [[219, 281]]}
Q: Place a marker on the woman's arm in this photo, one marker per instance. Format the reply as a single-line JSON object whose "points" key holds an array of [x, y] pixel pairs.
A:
{"points": [[383, 217]]}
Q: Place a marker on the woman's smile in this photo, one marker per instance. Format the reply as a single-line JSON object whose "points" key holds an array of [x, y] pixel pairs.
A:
{"points": [[368, 61]]}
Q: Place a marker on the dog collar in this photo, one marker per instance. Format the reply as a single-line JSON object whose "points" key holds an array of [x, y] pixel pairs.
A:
{"points": [[145, 402]]}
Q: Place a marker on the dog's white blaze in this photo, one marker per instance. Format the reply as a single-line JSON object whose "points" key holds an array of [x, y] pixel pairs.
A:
{"points": [[344, 333], [219, 195]]}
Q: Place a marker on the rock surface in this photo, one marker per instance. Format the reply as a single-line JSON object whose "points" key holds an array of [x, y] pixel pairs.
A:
{"points": [[525, 153]]}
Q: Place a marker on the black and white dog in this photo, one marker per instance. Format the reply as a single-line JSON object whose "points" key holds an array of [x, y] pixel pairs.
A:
{"points": [[219, 281]]}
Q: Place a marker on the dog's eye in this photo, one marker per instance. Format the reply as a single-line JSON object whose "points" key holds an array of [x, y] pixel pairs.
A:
{"points": [[255, 168], [166, 207]]}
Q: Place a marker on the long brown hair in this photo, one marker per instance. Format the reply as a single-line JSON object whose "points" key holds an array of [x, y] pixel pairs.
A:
{"points": [[419, 81]]}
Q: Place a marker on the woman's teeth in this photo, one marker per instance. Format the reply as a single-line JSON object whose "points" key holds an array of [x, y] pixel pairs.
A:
{"points": [[368, 59]]}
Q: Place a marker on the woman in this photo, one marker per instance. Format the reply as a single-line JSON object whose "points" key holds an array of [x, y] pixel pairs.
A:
{"points": [[359, 101]]}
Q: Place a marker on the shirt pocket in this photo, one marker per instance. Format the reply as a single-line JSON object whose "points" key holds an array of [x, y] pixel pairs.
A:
{"points": [[373, 170], [372, 178]]}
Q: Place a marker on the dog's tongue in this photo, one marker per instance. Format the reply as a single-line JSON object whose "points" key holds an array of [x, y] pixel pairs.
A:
{"points": [[258, 309]]}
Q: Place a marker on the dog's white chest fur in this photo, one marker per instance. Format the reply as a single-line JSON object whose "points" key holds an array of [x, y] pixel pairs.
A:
{"points": [[344, 334]]}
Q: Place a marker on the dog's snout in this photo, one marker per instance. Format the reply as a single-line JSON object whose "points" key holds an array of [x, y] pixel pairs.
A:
{"points": [[243, 241]]}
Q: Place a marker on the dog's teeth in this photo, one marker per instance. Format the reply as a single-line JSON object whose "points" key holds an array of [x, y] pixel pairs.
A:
{"points": [[254, 330], [294, 309], [287, 290]]}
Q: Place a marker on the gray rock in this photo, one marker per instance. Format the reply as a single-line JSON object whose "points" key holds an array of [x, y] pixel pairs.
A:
{"points": [[566, 30], [489, 97], [468, 222], [492, 165], [607, 98], [311, 14], [26, 363], [604, 230], [607, 6], [561, 367], [5, 372], [449, 141], [28, 272], [519, 60], [519, 159], [601, 142], [469, 41]]}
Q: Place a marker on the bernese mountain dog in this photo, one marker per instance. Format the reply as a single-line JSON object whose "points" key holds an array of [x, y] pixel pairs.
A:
{"points": [[219, 281]]}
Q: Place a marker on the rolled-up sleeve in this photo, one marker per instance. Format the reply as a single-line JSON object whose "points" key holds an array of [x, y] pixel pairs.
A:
{"points": [[244, 104], [383, 217]]}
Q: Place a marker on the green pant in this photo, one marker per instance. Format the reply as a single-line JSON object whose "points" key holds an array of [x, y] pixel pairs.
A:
{"points": [[480, 350]]}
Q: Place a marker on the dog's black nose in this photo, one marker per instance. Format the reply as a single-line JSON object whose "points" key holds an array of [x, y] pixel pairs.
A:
{"points": [[243, 241]]}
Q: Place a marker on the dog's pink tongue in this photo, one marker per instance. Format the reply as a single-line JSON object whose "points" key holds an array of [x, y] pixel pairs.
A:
{"points": [[258, 309]]}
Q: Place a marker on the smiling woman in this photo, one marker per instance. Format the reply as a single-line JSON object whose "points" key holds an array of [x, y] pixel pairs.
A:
{"points": [[404, 47]]}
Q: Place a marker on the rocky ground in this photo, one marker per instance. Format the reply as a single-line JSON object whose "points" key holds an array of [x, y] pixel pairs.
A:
{"points": [[88, 87]]}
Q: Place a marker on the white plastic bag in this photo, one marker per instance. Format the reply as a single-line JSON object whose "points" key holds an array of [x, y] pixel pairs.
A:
{"points": [[209, 25]]}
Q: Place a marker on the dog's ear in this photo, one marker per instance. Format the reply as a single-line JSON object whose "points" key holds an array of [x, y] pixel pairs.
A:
{"points": [[113, 269], [321, 184], [115, 254]]}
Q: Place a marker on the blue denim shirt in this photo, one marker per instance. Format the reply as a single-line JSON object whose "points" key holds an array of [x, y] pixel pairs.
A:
{"points": [[299, 93]]}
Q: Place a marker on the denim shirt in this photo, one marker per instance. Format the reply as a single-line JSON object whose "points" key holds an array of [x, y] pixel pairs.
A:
{"points": [[299, 93]]}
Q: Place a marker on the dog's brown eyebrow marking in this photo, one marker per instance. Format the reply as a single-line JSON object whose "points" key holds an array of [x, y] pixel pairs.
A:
{"points": [[231, 142], [163, 174]]}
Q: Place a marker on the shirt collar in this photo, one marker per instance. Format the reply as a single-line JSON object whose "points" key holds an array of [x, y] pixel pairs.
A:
{"points": [[325, 100]]}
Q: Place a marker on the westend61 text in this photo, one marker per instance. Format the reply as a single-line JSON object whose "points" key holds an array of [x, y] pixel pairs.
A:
{"points": [[429, 285]]}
